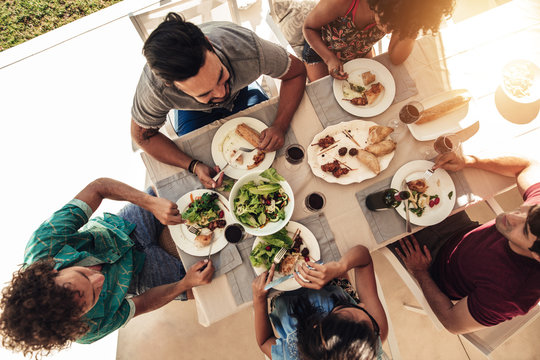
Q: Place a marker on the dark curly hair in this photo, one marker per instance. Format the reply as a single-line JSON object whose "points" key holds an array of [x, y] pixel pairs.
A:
{"points": [[38, 315], [176, 49], [331, 336], [406, 18]]}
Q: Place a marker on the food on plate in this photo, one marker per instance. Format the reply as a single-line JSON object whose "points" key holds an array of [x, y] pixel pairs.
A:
{"points": [[342, 151], [360, 100], [378, 133], [263, 253], [518, 79], [353, 151], [286, 266], [257, 159], [373, 92], [258, 203], [369, 160], [418, 202], [203, 240], [251, 135], [368, 78], [325, 142], [418, 185], [203, 210], [239, 159], [442, 109], [351, 90], [335, 168], [381, 148]]}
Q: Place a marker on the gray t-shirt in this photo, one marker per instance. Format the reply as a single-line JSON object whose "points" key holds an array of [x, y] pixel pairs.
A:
{"points": [[242, 52]]}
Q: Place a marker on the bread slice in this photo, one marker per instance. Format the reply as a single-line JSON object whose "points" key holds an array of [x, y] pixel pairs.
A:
{"points": [[442, 109], [252, 136]]}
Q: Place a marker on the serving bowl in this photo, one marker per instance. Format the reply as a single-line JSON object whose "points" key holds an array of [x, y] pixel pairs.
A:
{"points": [[520, 81], [270, 227]]}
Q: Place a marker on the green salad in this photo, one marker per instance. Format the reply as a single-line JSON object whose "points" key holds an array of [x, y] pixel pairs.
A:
{"points": [[258, 203], [264, 252], [203, 210]]}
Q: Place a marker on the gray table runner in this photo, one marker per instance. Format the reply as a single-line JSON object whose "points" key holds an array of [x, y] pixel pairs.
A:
{"points": [[173, 188], [198, 144], [241, 277], [328, 110], [386, 225]]}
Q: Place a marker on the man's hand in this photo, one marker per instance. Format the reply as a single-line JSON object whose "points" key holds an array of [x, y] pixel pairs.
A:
{"points": [[272, 138], [258, 284], [335, 69], [413, 257], [199, 274], [319, 275], [453, 161], [205, 174], [166, 211]]}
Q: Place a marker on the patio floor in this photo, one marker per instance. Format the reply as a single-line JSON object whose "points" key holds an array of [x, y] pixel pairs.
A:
{"points": [[70, 92]]}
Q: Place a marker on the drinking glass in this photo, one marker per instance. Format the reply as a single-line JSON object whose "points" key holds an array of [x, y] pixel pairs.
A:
{"points": [[234, 233], [314, 202], [294, 154], [411, 112], [447, 143]]}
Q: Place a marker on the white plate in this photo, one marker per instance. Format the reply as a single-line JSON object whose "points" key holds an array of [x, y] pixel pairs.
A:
{"points": [[355, 68], [186, 240], [440, 183], [309, 241], [226, 140], [457, 120], [270, 227], [359, 130]]}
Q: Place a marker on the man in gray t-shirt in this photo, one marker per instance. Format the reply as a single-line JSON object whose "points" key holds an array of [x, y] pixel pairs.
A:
{"points": [[204, 68]]}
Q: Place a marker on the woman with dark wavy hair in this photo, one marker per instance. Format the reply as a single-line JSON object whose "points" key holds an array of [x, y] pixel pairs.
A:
{"points": [[337, 31], [326, 318]]}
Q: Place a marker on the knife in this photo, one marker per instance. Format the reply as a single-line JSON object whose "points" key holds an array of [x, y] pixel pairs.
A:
{"points": [[284, 278], [407, 216], [233, 159]]}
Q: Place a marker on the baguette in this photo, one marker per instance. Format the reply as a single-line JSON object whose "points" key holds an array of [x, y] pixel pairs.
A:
{"points": [[250, 135], [444, 108]]}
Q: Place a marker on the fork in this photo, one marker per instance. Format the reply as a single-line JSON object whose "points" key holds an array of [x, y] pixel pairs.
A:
{"points": [[194, 230], [428, 173], [279, 256], [241, 150]]}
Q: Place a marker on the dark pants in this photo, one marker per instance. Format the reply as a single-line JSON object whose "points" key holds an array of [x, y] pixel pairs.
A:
{"points": [[159, 267], [186, 121]]}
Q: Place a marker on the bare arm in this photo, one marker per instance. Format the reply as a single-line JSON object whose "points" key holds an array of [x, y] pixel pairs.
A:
{"points": [[399, 49], [359, 259], [163, 149], [456, 318], [164, 210], [526, 172], [159, 296], [292, 90], [263, 328]]}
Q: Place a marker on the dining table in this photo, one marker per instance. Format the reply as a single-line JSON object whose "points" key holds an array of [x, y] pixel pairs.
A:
{"points": [[467, 55]]}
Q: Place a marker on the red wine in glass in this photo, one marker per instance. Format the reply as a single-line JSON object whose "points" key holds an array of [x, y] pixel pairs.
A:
{"points": [[315, 201], [294, 154], [234, 233]]}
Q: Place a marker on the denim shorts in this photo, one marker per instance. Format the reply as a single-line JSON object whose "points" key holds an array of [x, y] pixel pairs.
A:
{"points": [[309, 55]]}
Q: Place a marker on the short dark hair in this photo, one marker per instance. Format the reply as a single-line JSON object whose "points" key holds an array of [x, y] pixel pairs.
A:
{"points": [[331, 336], [533, 220], [176, 49], [407, 17], [38, 315]]}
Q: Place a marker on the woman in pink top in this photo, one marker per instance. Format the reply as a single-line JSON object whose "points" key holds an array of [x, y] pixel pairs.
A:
{"points": [[337, 31]]}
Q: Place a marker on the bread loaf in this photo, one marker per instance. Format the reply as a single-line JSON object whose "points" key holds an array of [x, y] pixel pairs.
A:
{"points": [[252, 136], [444, 108]]}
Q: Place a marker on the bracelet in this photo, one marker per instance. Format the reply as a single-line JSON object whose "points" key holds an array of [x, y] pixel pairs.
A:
{"points": [[195, 166], [192, 164]]}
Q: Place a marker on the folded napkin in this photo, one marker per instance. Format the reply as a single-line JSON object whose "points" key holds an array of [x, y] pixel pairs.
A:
{"points": [[386, 225], [198, 143], [173, 188], [321, 93], [241, 277]]}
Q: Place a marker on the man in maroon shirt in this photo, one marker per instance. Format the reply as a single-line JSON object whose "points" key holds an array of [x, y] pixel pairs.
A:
{"points": [[481, 275]]}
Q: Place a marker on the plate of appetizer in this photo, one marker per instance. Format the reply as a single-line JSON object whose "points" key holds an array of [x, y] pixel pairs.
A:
{"points": [[432, 199], [304, 247], [236, 133], [446, 112], [208, 212], [368, 91], [351, 151], [521, 81], [262, 202]]}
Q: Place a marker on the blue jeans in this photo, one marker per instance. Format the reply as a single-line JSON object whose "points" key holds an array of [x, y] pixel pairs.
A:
{"points": [[188, 120], [159, 266]]}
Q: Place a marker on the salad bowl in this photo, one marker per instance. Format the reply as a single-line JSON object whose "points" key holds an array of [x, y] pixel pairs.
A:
{"points": [[276, 217]]}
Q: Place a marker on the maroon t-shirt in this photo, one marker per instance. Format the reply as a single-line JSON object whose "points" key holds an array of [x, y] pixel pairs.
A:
{"points": [[499, 283]]}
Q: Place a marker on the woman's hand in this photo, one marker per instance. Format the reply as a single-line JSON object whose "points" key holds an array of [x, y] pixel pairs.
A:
{"points": [[258, 284], [319, 275], [335, 69], [205, 174]]}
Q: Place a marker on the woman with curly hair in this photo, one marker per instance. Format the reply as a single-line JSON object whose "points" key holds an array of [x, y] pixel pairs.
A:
{"points": [[326, 318], [337, 31]]}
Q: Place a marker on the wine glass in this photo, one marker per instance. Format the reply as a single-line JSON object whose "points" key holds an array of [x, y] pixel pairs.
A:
{"points": [[411, 112], [447, 143]]}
